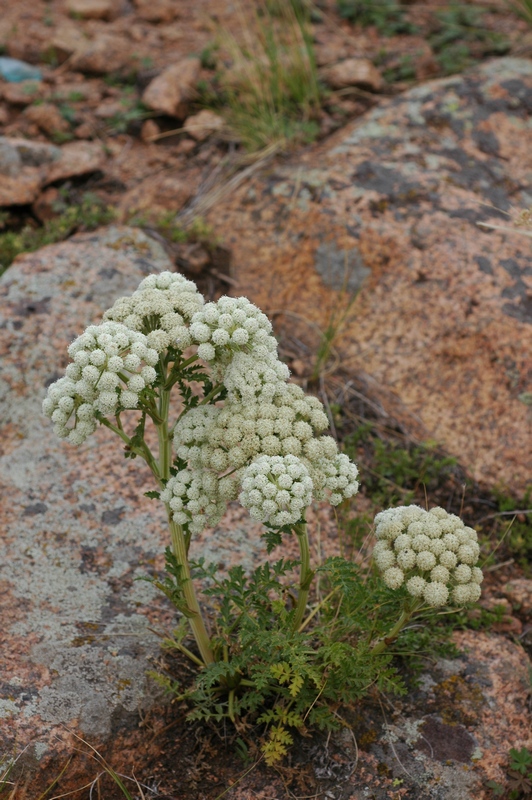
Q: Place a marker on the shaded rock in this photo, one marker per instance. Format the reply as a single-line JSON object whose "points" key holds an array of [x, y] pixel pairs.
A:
{"points": [[77, 158], [47, 117], [44, 207], [93, 9], [354, 72], [156, 195], [21, 94], [202, 125], [171, 91], [156, 10], [444, 321], [192, 257], [103, 54]]}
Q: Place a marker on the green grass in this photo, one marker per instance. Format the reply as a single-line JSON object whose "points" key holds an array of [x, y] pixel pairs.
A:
{"points": [[461, 38], [272, 94]]}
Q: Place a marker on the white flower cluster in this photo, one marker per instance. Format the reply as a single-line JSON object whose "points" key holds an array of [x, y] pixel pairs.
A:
{"points": [[230, 325], [196, 498], [276, 489], [433, 551], [111, 366], [252, 379], [230, 438], [161, 308]]}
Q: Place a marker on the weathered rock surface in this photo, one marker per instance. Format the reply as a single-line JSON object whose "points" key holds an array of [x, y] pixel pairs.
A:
{"points": [[93, 9], [27, 166], [77, 530], [170, 92], [444, 318], [104, 53]]}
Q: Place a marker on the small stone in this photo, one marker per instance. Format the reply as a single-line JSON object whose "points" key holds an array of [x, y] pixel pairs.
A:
{"points": [[21, 189], [202, 125], [66, 40], [48, 118], [186, 146], [156, 195], [103, 54], [93, 9], [4, 115], [149, 131], [354, 72], [14, 71], [21, 94], [171, 91], [77, 158], [156, 10]]}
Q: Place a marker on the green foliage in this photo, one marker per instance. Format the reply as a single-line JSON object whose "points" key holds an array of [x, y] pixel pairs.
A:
{"points": [[461, 37], [397, 470], [266, 673], [386, 15], [517, 531], [90, 213], [519, 772]]}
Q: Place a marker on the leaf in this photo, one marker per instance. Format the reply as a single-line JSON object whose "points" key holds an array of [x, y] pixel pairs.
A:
{"points": [[152, 495]]}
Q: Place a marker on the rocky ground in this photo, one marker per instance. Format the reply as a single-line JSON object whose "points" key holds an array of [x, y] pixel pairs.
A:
{"points": [[422, 131]]}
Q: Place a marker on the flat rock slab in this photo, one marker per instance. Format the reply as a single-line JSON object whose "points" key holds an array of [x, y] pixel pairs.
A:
{"points": [[390, 206]]}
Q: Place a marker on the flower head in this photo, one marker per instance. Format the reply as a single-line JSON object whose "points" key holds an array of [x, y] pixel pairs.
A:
{"points": [[276, 489], [433, 552], [111, 367]]}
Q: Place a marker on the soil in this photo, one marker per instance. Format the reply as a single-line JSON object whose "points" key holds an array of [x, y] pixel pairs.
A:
{"points": [[194, 761]]}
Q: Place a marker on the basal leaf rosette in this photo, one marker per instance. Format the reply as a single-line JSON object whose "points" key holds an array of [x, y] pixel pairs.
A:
{"points": [[432, 552], [112, 366], [276, 490], [162, 308]]}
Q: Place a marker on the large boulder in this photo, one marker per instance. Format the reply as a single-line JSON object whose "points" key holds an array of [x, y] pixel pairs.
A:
{"points": [[390, 205]]}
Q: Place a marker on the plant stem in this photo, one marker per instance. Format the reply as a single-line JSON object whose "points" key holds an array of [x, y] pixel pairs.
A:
{"points": [[194, 614], [406, 614], [305, 574]]}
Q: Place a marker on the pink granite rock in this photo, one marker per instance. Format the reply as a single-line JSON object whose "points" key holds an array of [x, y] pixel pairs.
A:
{"points": [[389, 207], [170, 92]]}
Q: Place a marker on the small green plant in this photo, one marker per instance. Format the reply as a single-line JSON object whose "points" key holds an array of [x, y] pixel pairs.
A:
{"points": [[87, 215], [519, 772], [272, 93], [461, 37], [280, 646], [386, 15]]}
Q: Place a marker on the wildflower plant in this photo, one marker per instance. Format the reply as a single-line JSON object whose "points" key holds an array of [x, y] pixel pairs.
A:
{"points": [[266, 647]]}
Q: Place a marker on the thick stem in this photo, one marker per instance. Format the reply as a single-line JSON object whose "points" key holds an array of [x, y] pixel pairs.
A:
{"points": [[194, 614], [305, 574], [406, 616]]}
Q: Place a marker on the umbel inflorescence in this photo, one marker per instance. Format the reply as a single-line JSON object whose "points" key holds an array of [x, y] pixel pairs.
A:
{"points": [[244, 432], [432, 552]]}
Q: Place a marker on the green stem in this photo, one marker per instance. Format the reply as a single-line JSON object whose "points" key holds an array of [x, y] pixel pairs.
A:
{"points": [[406, 615], [194, 614], [315, 611], [305, 574]]}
